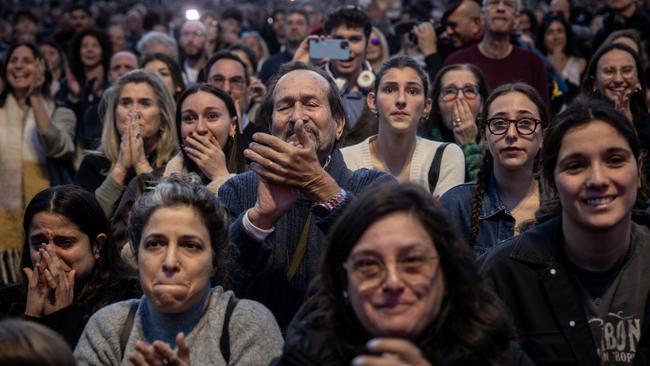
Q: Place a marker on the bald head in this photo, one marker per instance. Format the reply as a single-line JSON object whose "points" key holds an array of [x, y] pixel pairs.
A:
{"points": [[464, 24], [121, 63]]}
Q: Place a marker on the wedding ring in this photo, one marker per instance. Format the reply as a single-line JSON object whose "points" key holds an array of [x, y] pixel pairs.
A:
{"points": [[457, 122]]}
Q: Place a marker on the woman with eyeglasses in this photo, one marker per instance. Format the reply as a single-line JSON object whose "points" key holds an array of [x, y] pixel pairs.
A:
{"points": [[458, 91], [576, 284], [507, 192], [398, 286], [399, 101]]}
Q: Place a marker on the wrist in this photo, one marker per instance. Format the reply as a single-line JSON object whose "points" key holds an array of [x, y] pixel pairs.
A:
{"points": [[261, 219], [324, 189]]}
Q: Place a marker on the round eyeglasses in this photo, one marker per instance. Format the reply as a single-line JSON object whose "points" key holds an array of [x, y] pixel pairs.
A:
{"points": [[372, 271], [449, 93], [500, 125]]}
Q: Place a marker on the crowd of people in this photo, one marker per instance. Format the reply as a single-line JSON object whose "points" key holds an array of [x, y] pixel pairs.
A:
{"points": [[449, 182]]}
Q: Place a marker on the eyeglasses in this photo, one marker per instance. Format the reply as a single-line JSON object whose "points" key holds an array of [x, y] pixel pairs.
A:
{"points": [[372, 271], [197, 34], [375, 41], [449, 93], [627, 71], [236, 82], [524, 126]]}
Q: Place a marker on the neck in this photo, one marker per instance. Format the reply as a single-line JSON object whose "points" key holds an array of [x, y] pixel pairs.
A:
{"points": [[150, 145], [56, 74], [195, 63], [165, 327], [495, 45], [628, 11], [94, 72], [21, 96], [393, 151], [594, 250], [513, 194]]}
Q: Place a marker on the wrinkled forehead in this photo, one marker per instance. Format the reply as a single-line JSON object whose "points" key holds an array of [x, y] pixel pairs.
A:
{"points": [[298, 82]]}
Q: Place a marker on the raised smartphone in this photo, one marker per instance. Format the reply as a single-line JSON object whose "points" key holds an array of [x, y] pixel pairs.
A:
{"points": [[333, 49]]}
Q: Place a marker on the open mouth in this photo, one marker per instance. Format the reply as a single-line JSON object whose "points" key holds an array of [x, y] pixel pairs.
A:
{"points": [[598, 201]]}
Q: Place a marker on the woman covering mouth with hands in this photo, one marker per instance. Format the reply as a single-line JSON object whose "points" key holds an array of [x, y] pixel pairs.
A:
{"points": [[210, 144], [507, 191]]}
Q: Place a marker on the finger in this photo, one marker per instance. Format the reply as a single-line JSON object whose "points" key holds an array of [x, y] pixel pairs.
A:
{"points": [[267, 153], [137, 359], [276, 167], [303, 139], [49, 279], [366, 360], [403, 349], [183, 350], [49, 261], [271, 141], [70, 277], [194, 154], [147, 353], [32, 277], [165, 353], [269, 175]]}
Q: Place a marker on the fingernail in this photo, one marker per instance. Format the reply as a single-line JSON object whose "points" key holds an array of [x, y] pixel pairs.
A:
{"points": [[46, 254], [359, 361], [372, 343]]}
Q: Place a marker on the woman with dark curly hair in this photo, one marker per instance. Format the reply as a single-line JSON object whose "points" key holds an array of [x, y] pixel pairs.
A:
{"points": [[507, 191], [71, 266], [398, 285], [576, 284]]}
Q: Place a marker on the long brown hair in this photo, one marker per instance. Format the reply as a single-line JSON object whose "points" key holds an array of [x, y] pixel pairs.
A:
{"points": [[487, 166]]}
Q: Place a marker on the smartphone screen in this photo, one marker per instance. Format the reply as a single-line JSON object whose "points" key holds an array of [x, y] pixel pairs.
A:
{"points": [[333, 49]]}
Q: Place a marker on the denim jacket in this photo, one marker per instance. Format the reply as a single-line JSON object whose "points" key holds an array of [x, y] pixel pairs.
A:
{"points": [[496, 223]]}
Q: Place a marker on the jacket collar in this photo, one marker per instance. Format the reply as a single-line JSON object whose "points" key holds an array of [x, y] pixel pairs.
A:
{"points": [[492, 204], [541, 244]]}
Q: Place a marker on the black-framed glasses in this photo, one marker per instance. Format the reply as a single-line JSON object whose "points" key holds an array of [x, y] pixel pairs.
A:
{"points": [[500, 125], [449, 93]]}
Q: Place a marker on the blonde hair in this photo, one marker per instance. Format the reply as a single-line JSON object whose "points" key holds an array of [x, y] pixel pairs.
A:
{"points": [[110, 141]]}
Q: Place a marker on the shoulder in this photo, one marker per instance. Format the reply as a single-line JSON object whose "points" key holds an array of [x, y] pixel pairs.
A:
{"points": [[467, 53], [460, 192], [108, 321], [521, 53], [358, 155], [363, 177], [246, 181], [534, 246]]}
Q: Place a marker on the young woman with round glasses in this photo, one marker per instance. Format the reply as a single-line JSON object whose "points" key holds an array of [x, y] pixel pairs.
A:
{"points": [[507, 192], [457, 92]]}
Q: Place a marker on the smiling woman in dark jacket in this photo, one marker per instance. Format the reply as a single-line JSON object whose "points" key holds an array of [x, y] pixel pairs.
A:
{"points": [[577, 284], [399, 286]]}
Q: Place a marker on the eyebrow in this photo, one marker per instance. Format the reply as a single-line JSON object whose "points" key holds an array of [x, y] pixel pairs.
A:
{"points": [[408, 83], [611, 150]]}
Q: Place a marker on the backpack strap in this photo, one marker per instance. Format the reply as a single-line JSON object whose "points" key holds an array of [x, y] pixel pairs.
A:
{"points": [[224, 343], [128, 324], [434, 170]]}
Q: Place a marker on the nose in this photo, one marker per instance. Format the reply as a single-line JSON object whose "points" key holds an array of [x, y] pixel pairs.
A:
{"points": [[170, 262], [392, 281], [511, 133], [597, 177], [201, 127], [618, 76], [401, 98], [298, 113]]}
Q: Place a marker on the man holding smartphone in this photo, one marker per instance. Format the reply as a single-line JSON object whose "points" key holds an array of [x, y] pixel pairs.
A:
{"points": [[352, 23], [296, 28]]}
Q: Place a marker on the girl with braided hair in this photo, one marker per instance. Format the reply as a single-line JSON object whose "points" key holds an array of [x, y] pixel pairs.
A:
{"points": [[507, 191]]}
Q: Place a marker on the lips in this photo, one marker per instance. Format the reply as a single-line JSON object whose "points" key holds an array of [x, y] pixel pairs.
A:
{"points": [[511, 149], [399, 114], [598, 201]]}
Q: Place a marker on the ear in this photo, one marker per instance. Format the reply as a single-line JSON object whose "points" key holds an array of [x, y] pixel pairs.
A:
{"points": [[340, 125], [100, 240], [427, 108], [371, 101], [233, 127]]}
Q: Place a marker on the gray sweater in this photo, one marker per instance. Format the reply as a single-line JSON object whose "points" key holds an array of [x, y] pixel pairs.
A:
{"points": [[255, 338]]}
